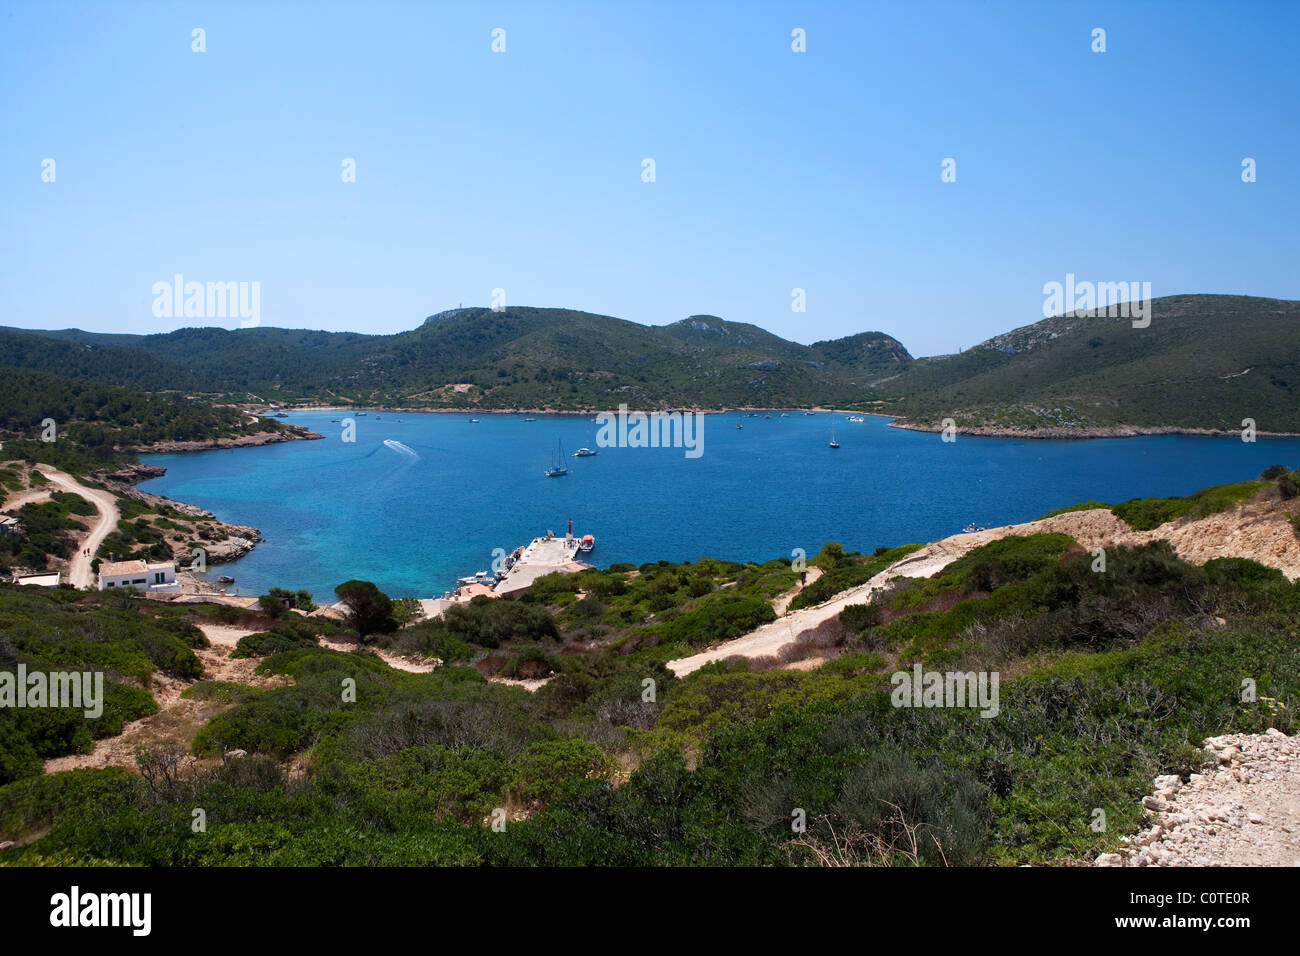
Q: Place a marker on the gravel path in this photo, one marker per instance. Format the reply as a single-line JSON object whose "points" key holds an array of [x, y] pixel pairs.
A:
{"points": [[1244, 810]]}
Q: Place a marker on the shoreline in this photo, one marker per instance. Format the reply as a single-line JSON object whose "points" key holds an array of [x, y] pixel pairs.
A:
{"points": [[1051, 433], [1077, 433], [293, 433], [122, 479]]}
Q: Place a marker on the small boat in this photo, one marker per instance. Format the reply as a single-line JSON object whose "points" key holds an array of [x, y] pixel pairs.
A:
{"points": [[767, 416], [972, 528], [473, 421], [361, 414], [834, 443], [530, 419], [557, 470], [225, 579], [586, 543], [333, 419], [583, 453], [281, 415]]}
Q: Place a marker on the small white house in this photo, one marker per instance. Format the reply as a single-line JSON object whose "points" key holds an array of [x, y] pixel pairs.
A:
{"points": [[142, 575]]}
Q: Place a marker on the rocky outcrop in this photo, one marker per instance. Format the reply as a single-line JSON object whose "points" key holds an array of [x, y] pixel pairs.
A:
{"points": [[288, 433], [130, 474], [239, 540], [1243, 809]]}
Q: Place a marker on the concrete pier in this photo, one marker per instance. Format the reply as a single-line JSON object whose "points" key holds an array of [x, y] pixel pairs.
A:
{"points": [[542, 556]]}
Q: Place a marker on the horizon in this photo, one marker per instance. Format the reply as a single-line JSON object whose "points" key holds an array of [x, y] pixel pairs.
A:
{"points": [[522, 170]]}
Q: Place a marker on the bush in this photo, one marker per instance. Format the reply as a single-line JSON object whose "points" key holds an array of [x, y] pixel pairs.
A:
{"points": [[937, 813], [1147, 514], [266, 643]]}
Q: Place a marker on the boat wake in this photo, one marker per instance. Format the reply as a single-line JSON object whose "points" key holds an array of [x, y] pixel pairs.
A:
{"points": [[397, 446]]}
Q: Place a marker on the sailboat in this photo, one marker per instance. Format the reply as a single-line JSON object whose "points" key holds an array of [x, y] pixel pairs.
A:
{"points": [[834, 443], [557, 469]]}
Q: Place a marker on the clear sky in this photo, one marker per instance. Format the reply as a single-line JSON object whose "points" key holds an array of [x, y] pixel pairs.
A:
{"points": [[522, 170]]}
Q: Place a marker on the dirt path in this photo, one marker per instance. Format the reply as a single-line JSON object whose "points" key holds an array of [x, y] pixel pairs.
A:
{"points": [[1243, 810], [411, 665], [1259, 529], [770, 638], [79, 573], [178, 718], [20, 498], [781, 603]]}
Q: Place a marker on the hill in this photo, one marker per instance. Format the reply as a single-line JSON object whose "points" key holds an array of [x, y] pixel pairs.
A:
{"points": [[519, 357], [1205, 362], [97, 425]]}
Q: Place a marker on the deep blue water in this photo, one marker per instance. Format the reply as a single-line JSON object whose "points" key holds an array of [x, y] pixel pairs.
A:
{"points": [[331, 510]]}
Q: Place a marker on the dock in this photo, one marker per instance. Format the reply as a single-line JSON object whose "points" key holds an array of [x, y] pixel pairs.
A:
{"points": [[542, 556]]}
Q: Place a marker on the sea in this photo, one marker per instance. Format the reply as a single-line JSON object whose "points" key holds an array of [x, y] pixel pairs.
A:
{"points": [[416, 500]]}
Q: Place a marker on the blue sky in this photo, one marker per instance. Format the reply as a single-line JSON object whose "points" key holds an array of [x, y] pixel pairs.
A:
{"points": [[521, 170]]}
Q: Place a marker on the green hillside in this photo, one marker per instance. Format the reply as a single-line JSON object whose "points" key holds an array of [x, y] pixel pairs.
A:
{"points": [[97, 425], [1205, 361], [518, 357], [1107, 681]]}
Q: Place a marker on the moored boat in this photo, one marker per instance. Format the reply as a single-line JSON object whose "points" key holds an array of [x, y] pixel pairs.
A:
{"points": [[557, 469]]}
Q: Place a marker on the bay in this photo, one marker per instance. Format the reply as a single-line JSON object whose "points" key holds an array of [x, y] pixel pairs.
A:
{"points": [[433, 504]]}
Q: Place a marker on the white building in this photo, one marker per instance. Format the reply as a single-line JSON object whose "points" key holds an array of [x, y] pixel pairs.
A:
{"points": [[143, 575], [49, 579]]}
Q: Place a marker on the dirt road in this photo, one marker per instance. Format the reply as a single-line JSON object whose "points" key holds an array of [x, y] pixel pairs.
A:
{"points": [[79, 573], [770, 638], [16, 501], [1259, 529]]}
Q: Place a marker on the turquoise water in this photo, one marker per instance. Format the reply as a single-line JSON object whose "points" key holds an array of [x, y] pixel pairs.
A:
{"points": [[414, 518]]}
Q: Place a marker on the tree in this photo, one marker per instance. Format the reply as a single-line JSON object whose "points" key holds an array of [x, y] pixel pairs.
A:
{"points": [[300, 600], [369, 610], [830, 556], [272, 606]]}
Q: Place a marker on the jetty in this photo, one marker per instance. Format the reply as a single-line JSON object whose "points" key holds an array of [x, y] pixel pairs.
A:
{"points": [[541, 556]]}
